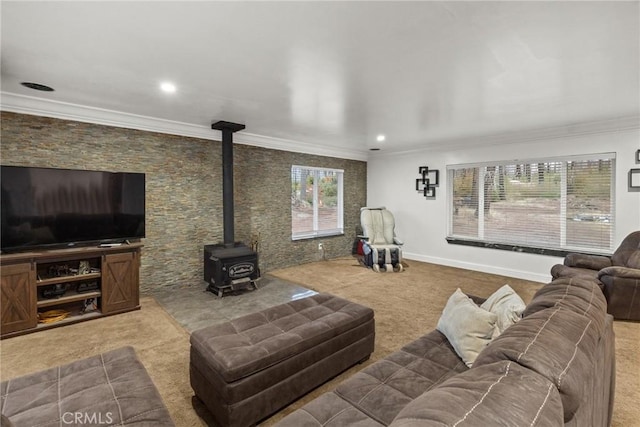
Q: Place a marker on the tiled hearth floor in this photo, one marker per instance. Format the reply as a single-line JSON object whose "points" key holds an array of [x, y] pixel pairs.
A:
{"points": [[194, 308]]}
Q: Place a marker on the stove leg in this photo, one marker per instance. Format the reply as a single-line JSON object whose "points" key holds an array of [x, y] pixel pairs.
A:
{"points": [[214, 290]]}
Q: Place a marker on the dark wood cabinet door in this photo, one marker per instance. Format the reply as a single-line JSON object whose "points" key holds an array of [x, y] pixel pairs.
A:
{"points": [[120, 277], [18, 298]]}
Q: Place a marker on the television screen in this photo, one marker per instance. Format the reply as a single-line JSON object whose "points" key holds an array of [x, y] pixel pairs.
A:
{"points": [[64, 207]]}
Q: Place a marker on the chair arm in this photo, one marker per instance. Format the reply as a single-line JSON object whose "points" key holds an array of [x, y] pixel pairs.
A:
{"points": [[617, 271], [593, 262], [398, 241]]}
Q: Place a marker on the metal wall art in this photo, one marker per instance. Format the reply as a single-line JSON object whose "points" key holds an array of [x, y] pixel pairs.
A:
{"points": [[428, 182], [634, 175], [634, 179]]}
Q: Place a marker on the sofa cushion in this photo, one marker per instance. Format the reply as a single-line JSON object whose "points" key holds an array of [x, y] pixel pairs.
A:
{"points": [[557, 343], [634, 260], [560, 270], [468, 327], [582, 296], [622, 272], [328, 410], [251, 343], [111, 388], [382, 389], [589, 262], [622, 291], [507, 305], [499, 394], [628, 253]]}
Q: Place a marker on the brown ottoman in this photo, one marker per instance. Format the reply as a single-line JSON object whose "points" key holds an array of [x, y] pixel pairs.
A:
{"points": [[249, 368], [112, 388]]}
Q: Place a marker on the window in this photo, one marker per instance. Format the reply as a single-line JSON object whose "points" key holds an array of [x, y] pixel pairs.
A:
{"points": [[316, 202], [558, 204]]}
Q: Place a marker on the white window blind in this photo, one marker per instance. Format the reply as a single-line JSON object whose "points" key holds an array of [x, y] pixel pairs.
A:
{"points": [[316, 202], [564, 204]]}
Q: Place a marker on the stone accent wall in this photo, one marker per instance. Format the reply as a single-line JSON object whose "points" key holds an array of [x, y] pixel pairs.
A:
{"points": [[184, 190], [262, 186]]}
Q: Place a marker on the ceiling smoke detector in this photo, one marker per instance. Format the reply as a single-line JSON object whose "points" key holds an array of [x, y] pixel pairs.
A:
{"points": [[37, 86]]}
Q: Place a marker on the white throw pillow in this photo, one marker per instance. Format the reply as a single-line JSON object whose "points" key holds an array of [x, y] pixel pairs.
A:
{"points": [[507, 305], [468, 327]]}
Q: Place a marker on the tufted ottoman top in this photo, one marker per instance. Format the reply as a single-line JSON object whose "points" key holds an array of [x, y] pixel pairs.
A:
{"points": [[112, 388], [251, 343]]}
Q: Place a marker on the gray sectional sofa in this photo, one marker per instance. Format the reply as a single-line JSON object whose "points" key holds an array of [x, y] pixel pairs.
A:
{"points": [[554, 367]]}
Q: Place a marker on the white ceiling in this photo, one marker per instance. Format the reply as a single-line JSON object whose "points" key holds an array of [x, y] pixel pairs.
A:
{"points": [[329, 75]]}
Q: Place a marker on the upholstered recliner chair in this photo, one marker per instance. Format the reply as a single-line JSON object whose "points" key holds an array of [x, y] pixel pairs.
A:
{"points": [[378, 227], [618, 276]]}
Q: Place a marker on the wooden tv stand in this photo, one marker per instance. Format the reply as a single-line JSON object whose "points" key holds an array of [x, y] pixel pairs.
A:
{"points": [[85, 282]]}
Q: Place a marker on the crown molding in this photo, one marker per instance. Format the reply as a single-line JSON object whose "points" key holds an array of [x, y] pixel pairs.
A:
{"points": [[570, 130], [22, 104], [17, 103], [298, 147], [67, 111]]}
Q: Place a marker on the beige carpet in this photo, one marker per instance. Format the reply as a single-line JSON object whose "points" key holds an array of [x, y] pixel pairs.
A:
{"points": [[407, 305]]}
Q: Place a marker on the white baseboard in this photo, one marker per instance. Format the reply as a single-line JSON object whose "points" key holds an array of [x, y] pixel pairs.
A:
{"points": [[518, 274]]}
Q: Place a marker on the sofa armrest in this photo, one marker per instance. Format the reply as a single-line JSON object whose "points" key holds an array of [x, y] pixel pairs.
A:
{"points": [[592, 262], [397, 241], [617, 271]]}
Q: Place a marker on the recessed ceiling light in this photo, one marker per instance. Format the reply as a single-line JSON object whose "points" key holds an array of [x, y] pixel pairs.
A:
{"points": [[380, 138], [37, 86], [168, 87]]}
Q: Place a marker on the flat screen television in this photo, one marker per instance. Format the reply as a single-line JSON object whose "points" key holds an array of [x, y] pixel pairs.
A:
{"points": [[46, 207]]}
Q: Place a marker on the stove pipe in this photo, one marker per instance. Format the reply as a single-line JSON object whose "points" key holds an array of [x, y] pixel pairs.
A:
{"points": [[227, 129]]}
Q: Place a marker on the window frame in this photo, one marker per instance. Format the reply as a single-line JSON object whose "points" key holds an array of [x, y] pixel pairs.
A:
{"points": [[315, 233], [563, 248]]}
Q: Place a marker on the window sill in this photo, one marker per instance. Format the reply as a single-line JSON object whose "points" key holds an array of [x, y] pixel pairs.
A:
{"points": [[519, 248], [317, 235]]}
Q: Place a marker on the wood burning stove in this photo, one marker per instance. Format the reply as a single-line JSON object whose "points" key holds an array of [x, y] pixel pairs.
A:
{"points": [[229, 264], [226, 267]]}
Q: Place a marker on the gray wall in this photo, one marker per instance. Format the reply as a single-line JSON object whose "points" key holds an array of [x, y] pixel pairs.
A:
{"points": [[184, 190]]}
